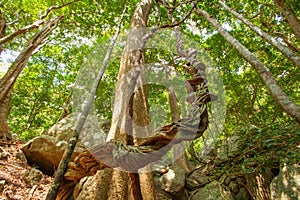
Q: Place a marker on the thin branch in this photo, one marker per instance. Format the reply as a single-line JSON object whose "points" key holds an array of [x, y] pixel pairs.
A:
{"points": [[289, 43], [154, 30], [34, 25], [284, 50], [281, 98], [13, 22]]}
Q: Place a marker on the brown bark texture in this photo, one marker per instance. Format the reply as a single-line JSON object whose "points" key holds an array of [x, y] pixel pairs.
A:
{"points": [[258, 185], [290, 16], [2, 29]]}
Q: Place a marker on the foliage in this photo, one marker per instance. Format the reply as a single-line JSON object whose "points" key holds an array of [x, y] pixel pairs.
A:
{"points": [[42, 90], [264, 149]]}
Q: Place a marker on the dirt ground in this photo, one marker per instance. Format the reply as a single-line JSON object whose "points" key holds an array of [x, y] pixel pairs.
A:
{"points": [[12, 170]]}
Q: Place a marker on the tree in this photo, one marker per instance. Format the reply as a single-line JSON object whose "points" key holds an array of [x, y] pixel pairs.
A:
{"points": [[230, 46], [289, 14], [8, 80], [277, 93]]}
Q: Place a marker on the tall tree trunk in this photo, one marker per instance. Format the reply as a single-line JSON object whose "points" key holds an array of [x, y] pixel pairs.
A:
{"points": [[4, 104], [284, 50], [281, 98], [8, 80], [130, 106], [290, 16]]}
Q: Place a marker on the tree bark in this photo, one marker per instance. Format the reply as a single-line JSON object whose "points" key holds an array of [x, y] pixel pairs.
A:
{"points": [[8, 80], [2, 29], [4, 104], [284, 50], [62, 167], [281, 98], [258, 185], [290, 16], [130, 115]]}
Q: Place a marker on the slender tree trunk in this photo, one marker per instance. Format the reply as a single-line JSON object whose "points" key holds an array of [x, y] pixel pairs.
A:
{"points": [[290, 16], [265, 74], [4, 104], [8, 80], [284, 50]]}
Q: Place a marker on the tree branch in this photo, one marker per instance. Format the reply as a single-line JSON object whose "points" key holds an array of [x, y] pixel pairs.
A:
{"points": [[34, 25], [281, 98], [284, 50]]}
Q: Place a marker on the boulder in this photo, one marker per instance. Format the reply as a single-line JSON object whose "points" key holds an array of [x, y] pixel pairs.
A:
{"points": [[173, 181], [90, 188], [197, 179], [212, 191], [229, 148], [90, 136], [286, 186], [46, 151]]}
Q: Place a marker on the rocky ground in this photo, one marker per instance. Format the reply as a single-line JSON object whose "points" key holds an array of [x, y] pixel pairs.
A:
{"points": [[18, 180]]}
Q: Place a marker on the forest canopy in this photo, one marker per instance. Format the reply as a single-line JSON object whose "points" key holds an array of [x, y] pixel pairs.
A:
{"points": [[249, 49]]}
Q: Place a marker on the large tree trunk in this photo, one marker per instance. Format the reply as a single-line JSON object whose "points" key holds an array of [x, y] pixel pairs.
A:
{"points": [[290, 16], [8, 80], [281, 98], [284, 50], [130, 113]]}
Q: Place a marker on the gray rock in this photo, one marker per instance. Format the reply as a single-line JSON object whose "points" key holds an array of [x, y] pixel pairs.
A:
{"points": [[32, 176], [234, 187], [90, 136], [173, 181], [212, 191], [197, 179], [14, 137], [286, 186], [243, 194], [88, 187], [161, 195], [230, 148]]}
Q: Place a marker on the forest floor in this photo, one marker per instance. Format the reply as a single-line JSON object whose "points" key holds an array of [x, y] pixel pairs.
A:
{"points": [[12, 170]]}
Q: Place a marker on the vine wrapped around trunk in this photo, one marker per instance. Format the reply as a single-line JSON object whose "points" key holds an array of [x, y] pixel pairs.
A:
{"points": [[114, 154]]}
